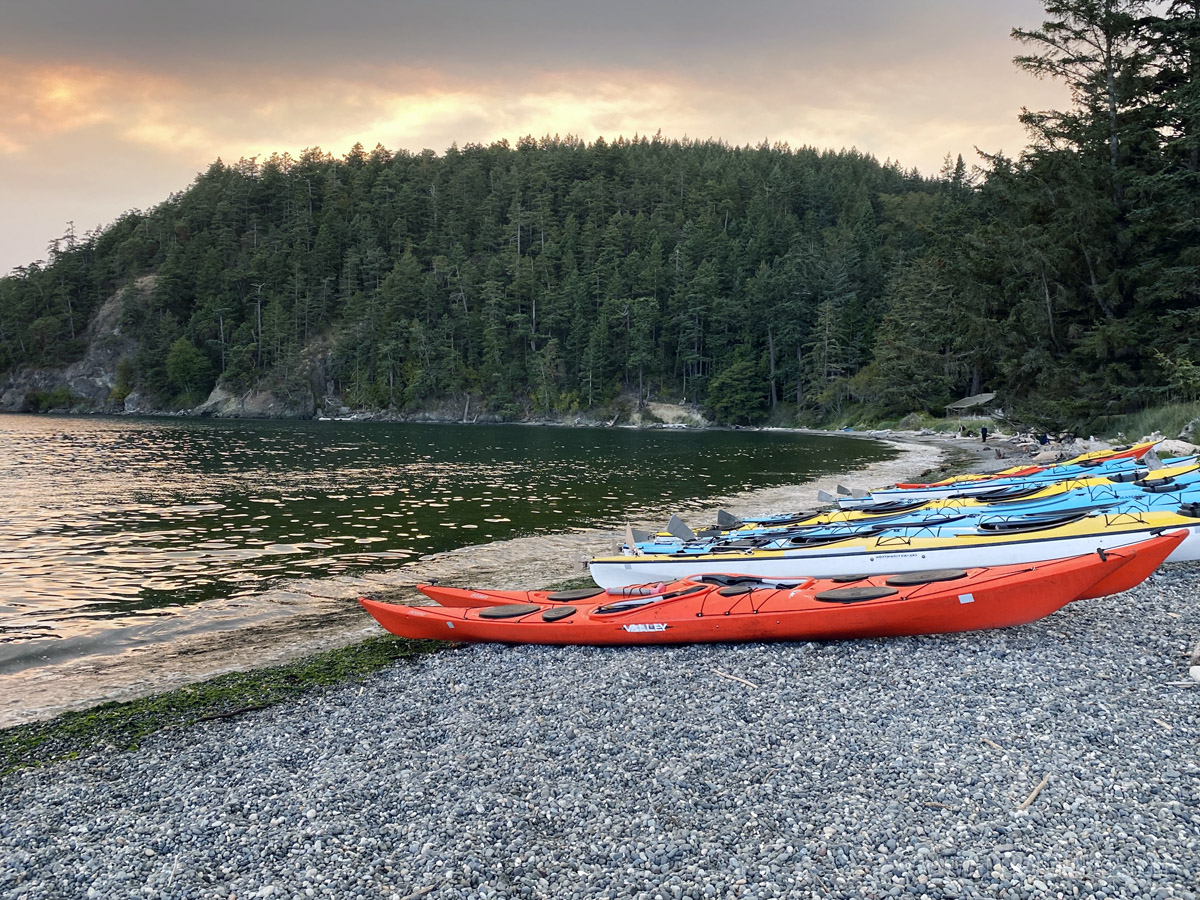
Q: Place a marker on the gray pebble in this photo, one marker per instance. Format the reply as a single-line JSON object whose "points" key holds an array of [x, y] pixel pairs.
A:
{"points": [[888, 768]]}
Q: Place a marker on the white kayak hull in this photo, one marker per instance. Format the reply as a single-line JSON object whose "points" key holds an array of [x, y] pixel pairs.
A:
{"points": [[622, 571]]}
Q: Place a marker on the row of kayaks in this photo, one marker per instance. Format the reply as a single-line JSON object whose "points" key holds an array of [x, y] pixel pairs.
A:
{"points": [[707, 608], [1117, 503], [895, 562]]}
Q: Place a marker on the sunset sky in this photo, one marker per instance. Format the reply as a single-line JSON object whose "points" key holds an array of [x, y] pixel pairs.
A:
{"points": [[109, 105]]}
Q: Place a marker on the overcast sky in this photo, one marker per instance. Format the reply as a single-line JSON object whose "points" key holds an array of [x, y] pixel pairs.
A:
{"points": [[110, 105]]}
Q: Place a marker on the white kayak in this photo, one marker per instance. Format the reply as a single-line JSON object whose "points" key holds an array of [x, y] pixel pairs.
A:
{"points": [[886, 552]]}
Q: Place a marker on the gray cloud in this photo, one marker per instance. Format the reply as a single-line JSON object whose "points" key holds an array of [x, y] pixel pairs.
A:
{"points": [[470, 35], [112, 104]]}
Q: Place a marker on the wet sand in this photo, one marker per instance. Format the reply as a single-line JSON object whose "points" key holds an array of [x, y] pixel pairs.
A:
{"points": [[300, 618]]}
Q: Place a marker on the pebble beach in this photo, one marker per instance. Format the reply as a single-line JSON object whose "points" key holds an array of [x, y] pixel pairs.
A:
{"points": [[1057, 759]]}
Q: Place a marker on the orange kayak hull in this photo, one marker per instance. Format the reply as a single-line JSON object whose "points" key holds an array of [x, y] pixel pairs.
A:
{"points": [[732, 608]]}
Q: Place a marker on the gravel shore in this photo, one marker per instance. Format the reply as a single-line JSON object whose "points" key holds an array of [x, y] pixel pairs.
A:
{"points": [[1058, 759]]}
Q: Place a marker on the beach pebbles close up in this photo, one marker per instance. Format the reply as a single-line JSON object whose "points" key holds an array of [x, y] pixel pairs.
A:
{"points": [[1059, 759]]}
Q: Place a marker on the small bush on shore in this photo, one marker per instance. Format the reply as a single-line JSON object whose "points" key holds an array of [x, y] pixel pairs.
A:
{"points": [[1173, 420]]}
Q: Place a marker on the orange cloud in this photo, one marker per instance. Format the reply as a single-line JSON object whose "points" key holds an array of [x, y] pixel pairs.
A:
{"points": [[900, 114], [84, 143], [39, 103]]}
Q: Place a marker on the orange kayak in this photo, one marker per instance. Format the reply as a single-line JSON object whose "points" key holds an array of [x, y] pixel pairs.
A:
{"points": [[743, 608]]}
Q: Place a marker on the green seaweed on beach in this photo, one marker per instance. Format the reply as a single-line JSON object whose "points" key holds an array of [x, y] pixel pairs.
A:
{"points": [[115, 727]]}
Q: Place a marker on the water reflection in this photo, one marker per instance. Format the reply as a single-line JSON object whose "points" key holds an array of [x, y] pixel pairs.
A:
{"points": [[107, 525]]}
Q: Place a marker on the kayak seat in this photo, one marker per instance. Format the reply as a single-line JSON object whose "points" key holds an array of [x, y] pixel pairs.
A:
{"points": [[891, 506], [576, 594], [930, 576], [783, 519], [683, 592], [934, 521], [635, 602], [558, 612], [1020, 526], [1006, 495], [623, 605], [1151, 483], [790, 520], [805, 540], [874, 521], [1164, 488], [1123, 477], [1066, 511], [728, 580], [855, 594], [508, 611], [744, 544]]}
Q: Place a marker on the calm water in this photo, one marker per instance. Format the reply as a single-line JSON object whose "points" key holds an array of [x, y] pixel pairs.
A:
{"points": [[107, 525]]}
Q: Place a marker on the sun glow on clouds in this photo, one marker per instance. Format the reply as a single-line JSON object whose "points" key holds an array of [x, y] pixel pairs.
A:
{"points": [[199, 117], [42, 102], [84, 143]]}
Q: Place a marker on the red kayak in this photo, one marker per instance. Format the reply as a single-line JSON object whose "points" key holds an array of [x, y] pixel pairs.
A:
{"points": [[744, 608]]}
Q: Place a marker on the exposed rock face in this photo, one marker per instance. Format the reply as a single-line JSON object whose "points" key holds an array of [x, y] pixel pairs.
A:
{"points": [[89, 384], [90, 380], [24, 382], [137, 404], [670, 414], [106, 346], [225, 404]]}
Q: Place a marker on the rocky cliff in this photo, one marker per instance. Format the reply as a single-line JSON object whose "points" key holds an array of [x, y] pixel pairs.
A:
{"points": [[86, 385], [93, 383]]}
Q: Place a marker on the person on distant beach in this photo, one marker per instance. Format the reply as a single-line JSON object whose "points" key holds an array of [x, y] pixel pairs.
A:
{"points": [[983, 434]]}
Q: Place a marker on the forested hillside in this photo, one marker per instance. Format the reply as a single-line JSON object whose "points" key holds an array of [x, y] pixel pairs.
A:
{"points": [[541, 277], [765, 283]]}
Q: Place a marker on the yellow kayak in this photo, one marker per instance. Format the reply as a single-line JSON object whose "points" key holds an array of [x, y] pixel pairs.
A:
{"points": [[962, 543]]}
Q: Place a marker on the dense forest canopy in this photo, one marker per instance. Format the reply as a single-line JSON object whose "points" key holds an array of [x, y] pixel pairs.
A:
{"points": [[766, 283]]}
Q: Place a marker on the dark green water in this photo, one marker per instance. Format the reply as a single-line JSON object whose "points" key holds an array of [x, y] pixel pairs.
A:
{"points": [[105, 522]]}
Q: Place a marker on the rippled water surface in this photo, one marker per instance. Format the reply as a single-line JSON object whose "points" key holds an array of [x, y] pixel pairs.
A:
{"points": [[106, 523]]}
